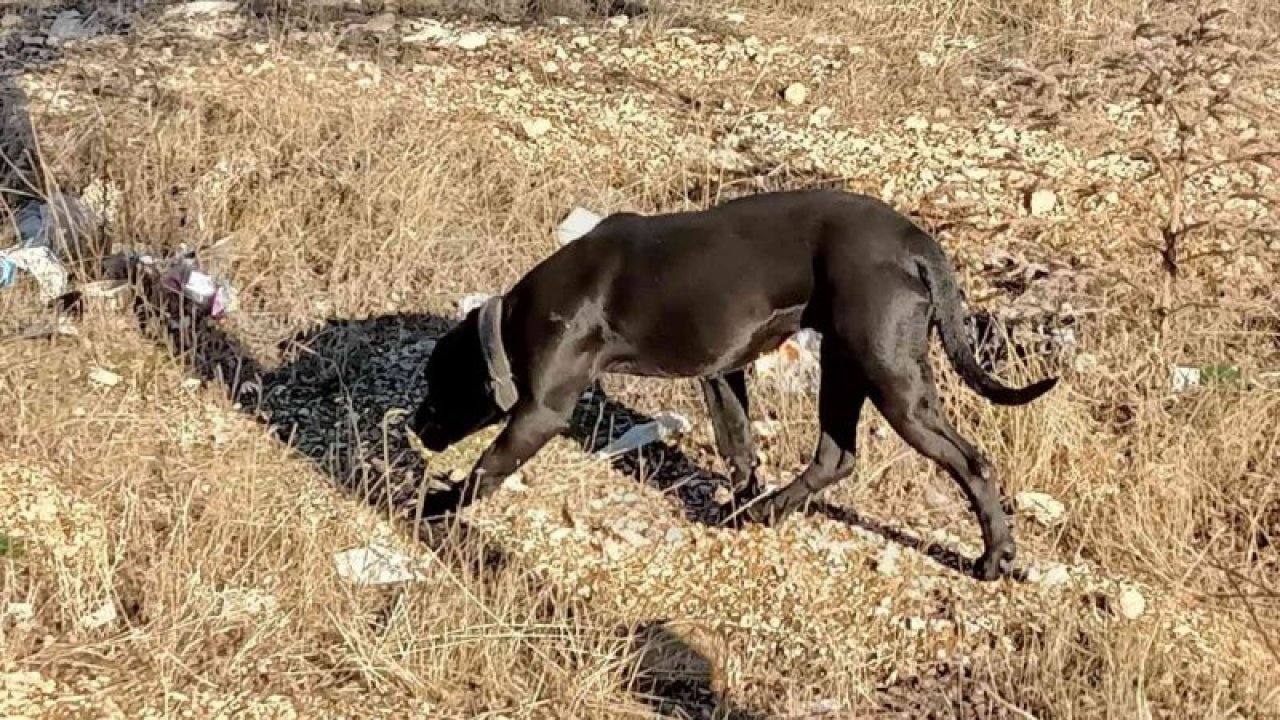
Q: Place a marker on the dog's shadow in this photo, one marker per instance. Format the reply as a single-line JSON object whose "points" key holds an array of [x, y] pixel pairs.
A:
{"points": [[334, 394], [338, 393]]}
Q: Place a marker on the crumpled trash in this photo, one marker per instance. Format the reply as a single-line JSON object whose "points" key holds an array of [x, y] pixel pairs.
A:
{"points": [[52, 234], [471, 301], [1184, 378], [63, 223], [40, 263], [663, 426], [579, 222], [794, 366], [374, 565], [179, 274]]}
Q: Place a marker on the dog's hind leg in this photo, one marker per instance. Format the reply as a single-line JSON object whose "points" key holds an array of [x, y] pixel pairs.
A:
{"points": [[902, 387], [840, 399], [727, 404]]}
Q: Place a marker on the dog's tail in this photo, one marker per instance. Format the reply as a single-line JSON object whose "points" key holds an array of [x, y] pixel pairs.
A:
{"points": [[938, 276]]}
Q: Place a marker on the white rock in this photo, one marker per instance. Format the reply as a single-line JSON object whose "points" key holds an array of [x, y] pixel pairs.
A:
{"points": [[1085, 363], [1043, 202], [631, 536], [202, 7], [240, 604], [795, 94], [916, 122], [1045, 508], [430, 33], [515, 483], [936, 499], [535, 128], [1055, 576], [383, 23], [10, 20], [827, 706], [103, 616], [888, 562], [472, 40], [1131, 604], [674, 535], [69, 25], [20, 611], [766, 428], [104, 377]]}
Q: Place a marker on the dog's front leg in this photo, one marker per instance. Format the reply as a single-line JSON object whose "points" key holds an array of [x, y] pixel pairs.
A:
{"points": [[531, 426]]}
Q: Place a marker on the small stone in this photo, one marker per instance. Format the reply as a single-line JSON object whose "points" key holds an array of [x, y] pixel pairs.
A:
{"points": [[1043, 202], [69, 25], [103, 616], [1131, 604], [515, 483], [10, 20], [915, 624], [766, 428], [472, 40], [20, 611], [795, 94], [915, 122], [1085, 363], [429, 33], [202, 7], [728, 159], [674, 535], [1055, 576], [535, 128], [1046, 509], [888, 562], [633, 537], [383, 23], [935, 499], [736, 18], [104, 377]]}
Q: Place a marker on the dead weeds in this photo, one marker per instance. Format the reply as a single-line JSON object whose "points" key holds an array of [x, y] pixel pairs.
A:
{"points": [[1103, 174]]}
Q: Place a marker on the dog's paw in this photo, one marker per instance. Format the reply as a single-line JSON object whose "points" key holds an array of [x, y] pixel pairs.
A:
{"points": [[996, 563]]}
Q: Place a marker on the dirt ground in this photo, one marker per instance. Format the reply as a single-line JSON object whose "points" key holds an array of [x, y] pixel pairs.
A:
{"points": [[1103, 174]]}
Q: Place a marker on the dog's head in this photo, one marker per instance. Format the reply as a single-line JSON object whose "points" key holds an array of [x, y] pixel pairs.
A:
{"points": [[460, 398]]}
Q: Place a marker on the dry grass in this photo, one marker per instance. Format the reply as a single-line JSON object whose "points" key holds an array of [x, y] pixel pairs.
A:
{"points": [[369, 182]]}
